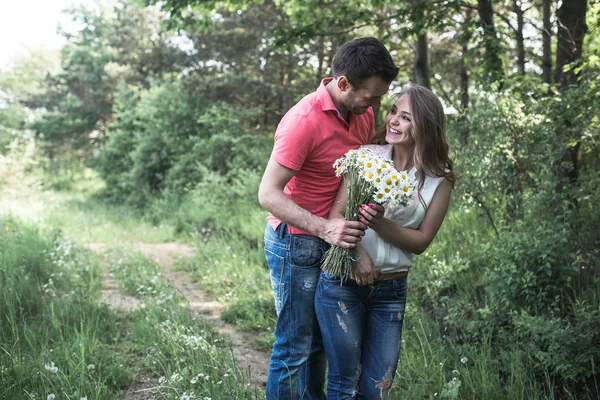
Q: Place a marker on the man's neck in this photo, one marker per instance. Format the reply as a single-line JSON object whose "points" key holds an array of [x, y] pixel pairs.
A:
{"points": [[334, 93]]}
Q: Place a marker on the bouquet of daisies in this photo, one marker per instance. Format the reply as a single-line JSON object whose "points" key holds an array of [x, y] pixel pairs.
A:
{"points": [[369, 178]]}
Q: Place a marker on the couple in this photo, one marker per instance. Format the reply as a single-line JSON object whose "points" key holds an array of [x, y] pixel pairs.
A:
{"points": [[357, 323]]}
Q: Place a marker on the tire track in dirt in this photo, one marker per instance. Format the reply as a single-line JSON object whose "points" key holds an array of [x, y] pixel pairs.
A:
{"points": [[251, 363]]}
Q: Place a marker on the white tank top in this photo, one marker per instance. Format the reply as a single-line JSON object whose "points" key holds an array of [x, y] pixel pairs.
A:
{"points": [[388, 258]]}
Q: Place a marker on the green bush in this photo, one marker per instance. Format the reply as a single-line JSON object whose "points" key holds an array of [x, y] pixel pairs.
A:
{"points": [[527, 282], [168, 138]]}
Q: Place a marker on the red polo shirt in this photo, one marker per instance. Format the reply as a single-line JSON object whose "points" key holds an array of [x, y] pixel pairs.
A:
{"points": [[309, 138]]}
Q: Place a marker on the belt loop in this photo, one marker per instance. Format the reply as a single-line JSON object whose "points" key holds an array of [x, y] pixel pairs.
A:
{"points": [[281, 230]]}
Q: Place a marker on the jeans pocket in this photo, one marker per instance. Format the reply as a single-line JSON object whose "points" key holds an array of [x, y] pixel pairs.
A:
{"points": [[330, 278], [400, 288], [306, 251]]}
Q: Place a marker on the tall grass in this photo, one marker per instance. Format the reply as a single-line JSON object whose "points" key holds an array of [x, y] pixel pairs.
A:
{"points": [[57, 341], [54, 337]]}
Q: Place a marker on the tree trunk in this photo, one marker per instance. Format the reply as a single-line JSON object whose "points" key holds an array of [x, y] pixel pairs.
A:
{"points": [[546, 38], [289, 76], [519, 36], [464, 39], [571, 31], [422, 62], [320, 57], [491, 59]]}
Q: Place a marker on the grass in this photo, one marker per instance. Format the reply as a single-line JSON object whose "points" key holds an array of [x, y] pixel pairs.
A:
{"points": [[56, 339], [78, 212], [51, 314]]}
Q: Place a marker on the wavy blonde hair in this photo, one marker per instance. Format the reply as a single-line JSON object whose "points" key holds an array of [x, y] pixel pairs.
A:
{"points": [[430, 155]]}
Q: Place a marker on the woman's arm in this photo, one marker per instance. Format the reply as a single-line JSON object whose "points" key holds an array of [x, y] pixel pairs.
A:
{"points": [[338, 210], [414, 240]]}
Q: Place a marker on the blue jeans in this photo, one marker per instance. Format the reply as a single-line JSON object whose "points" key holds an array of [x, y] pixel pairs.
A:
{"points": [[362, 329], [297, 367]]}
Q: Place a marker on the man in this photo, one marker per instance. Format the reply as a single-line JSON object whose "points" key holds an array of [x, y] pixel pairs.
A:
{"points": [[298, 189]]}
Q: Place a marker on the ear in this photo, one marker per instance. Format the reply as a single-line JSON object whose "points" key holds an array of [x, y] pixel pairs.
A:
{"points": [[343, 83]]}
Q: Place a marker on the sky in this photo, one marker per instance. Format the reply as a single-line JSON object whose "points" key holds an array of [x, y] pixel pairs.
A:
{"points": [[30, 23]]}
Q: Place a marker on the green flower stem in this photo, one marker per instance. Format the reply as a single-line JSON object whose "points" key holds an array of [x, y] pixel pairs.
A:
{"points": [[338, 260]]}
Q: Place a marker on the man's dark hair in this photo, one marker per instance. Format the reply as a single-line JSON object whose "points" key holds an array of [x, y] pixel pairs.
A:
{"points": [[363, 58]]}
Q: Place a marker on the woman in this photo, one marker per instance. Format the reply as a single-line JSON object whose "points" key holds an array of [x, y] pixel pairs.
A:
{"points": [[361, 319]]}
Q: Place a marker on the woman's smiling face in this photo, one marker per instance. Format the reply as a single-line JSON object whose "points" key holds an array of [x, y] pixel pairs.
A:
{"points": [[399, 123]]}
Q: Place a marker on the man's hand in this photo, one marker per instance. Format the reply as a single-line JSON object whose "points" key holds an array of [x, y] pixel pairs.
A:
{"points": [[342, 233]]}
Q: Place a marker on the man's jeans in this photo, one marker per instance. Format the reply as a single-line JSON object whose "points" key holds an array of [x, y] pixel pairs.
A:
{"points": [[362, 329], [297, 368]]}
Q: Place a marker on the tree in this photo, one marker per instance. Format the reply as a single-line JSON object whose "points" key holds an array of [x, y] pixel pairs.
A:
{"points": [[491, 59], [518, 10], [22, 80], [546, 42], [571, 18], [111, 45]]}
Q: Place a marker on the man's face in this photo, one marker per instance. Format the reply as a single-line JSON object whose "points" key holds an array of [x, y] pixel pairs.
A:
{"points": [[358, 101]]}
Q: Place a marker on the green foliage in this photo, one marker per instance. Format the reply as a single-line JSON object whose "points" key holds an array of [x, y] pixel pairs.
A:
{"points": [[530, 282], [170, 139], [103, 52], [51, 330], [17, 84], [566, 348]]}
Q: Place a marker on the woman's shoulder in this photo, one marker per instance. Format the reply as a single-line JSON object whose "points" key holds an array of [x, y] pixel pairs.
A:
{"points": [[379, 149]]}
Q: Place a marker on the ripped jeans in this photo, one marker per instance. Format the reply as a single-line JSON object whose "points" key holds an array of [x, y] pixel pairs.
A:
{"points": [[297, 367], [361, 328]]}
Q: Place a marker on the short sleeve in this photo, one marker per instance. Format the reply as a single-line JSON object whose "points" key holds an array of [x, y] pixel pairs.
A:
{"points": [[294, 140]]}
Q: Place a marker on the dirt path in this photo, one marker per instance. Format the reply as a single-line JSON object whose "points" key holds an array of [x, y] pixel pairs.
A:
{"points": [[252, 363]]}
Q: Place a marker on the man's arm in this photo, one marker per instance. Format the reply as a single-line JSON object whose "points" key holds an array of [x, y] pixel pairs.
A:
{"points": [[270, 195]]}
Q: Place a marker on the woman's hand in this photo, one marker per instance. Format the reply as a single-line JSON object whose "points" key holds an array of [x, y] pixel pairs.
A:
{"points": [[371, 215], [364, 272]]}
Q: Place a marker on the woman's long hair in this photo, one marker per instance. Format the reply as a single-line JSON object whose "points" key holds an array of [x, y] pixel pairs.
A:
{"points": [[430, 155]]}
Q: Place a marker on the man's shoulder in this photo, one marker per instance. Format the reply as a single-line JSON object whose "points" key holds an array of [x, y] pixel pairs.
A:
{"points": [[306, 107]]}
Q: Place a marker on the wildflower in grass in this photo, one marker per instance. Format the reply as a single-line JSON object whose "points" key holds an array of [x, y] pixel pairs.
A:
{"points": [[369, 178], [51, 397], [83, 398], [175, 377], [51, 368], [91, 367], [464, 360]]}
